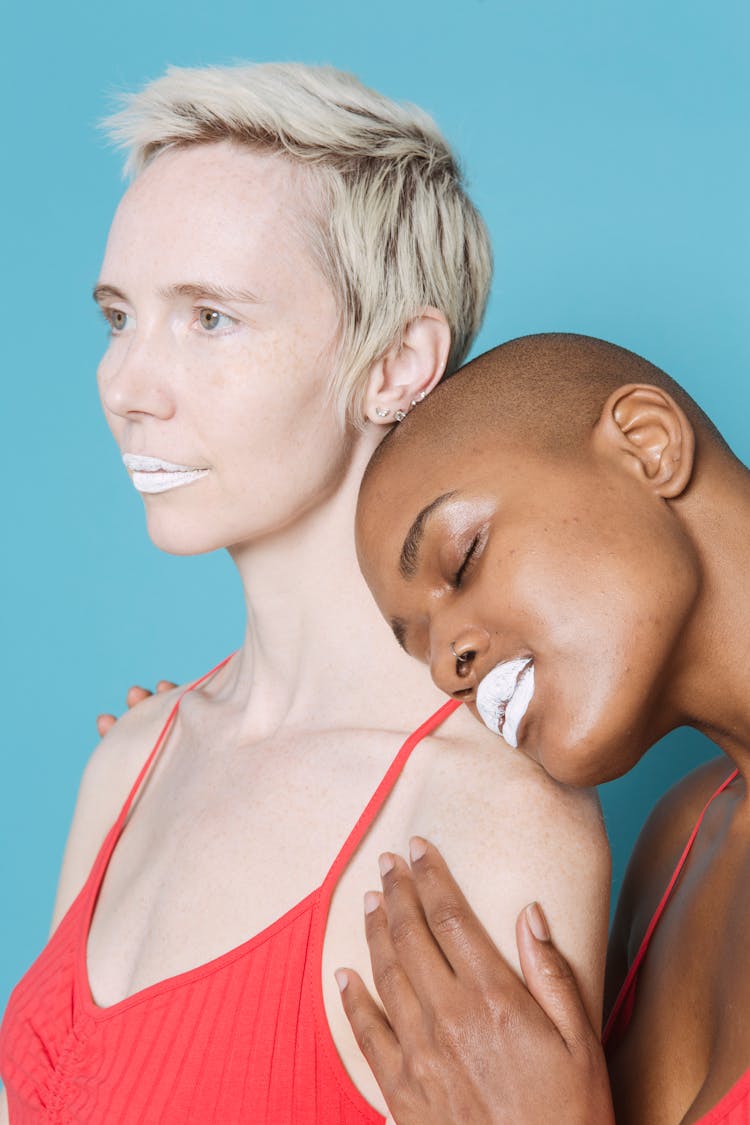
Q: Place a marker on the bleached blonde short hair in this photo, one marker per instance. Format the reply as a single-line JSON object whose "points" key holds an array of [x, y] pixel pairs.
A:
{"points": [[393, 230]]}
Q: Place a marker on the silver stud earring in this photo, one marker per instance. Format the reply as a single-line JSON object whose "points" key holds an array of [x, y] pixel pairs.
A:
{"points": [[400, 415], [382, 411], [420, 398]]}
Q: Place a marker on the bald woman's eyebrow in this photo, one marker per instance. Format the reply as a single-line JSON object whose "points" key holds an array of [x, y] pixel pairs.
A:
{"points": [[409, 558]]}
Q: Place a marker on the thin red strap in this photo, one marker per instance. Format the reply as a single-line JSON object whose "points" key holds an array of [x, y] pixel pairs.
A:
{"points": [[374, 805], [630, 980], [162, 735]]}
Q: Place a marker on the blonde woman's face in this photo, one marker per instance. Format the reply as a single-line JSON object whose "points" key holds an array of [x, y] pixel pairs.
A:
{"points": [[221, 334]]}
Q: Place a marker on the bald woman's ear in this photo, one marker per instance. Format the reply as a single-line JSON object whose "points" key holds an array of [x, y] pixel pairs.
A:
{"points": [[646, 425]]}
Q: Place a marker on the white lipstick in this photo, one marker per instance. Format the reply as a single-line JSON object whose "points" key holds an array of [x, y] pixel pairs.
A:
{"points": [[151, 474], [504, 695]]}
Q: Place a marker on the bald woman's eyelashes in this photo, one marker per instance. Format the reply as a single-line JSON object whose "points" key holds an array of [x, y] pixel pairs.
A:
{"points": [[471, 556], [399, 631], [465, 566]]}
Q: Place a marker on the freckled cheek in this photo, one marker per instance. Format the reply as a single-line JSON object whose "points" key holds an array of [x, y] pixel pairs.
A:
{"points": [[234, 392], [277, 370], [553, 604], [308, 369]]}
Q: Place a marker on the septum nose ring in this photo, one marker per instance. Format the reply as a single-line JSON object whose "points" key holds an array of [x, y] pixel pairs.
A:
{"points": [[462, 658]]}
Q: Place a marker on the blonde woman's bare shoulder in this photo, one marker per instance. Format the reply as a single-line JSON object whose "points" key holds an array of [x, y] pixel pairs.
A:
{"points": [[476, 769], [106, 781], [512, 835]]}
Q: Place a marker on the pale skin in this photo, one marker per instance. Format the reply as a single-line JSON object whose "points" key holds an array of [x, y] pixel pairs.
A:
{"points": [[661, 515], [290, 739]]}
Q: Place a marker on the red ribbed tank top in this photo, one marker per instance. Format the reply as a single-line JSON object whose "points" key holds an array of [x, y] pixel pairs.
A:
{"points": [[734, 1107], [243, 1038]]}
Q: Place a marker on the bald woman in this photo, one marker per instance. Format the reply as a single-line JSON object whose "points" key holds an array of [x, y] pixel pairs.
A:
{"points": [[561, 534]]}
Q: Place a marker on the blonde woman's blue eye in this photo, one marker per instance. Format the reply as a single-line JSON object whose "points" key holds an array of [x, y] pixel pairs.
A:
{"points": [[210, 319], [117, 319]]}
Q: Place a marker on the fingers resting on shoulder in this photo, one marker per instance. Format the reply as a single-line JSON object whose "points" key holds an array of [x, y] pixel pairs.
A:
{"points": [[457, 1032], [135, 695]]}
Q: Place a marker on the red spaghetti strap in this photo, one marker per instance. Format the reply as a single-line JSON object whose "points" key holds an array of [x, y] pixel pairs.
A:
{"points": [[371, 810], [334, 1068], [241, 1037], [624, 996], [163, 734]]}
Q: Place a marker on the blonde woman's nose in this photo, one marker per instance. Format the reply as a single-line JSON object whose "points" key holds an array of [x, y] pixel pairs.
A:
{"points": [[133, 380]]}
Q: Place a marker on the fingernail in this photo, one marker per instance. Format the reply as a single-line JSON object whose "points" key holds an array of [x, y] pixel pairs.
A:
{"points": [[386, 863], [417, 848], [372, 901], [537, 922], [342, 979]]}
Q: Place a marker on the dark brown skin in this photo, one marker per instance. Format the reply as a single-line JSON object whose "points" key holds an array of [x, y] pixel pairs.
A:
{"points": [[697, 960], [460, 1035], [653, 577]]}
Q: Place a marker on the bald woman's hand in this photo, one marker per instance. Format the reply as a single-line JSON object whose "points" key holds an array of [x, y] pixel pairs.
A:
{"points": [[463, 1039], [135, 695]]}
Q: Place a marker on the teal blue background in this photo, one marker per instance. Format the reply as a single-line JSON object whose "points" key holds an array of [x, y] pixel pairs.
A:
{"points": [[606, 145]]}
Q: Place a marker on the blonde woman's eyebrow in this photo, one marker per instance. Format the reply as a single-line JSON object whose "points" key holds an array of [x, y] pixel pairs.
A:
{"points": [[209, 290], [195, 290], [102, 293]]}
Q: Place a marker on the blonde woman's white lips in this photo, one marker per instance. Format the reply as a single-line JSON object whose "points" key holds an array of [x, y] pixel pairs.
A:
{"points": [[153, 474], [504, 695]]}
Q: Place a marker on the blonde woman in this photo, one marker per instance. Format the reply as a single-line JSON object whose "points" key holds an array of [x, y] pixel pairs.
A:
{"points": [[294, 265]]}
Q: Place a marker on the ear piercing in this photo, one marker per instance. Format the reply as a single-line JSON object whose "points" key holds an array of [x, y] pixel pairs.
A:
{"points": [[401, 414], [382, 411]]}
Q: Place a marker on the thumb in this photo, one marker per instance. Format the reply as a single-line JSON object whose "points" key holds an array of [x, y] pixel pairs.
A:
{"points": [[550, 979]]}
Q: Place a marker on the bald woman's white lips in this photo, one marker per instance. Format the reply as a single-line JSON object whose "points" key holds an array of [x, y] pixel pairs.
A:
{"points": [[504, 695], [151, 474]]}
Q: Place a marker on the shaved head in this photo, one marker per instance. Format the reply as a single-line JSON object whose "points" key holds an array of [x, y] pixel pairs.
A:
{"points": [[545, 531], [546, 390]]}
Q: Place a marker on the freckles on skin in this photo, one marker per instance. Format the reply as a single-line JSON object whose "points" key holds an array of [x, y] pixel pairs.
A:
{"points": [[215, 204], [584, 568], [240, 399], [165, 232]]}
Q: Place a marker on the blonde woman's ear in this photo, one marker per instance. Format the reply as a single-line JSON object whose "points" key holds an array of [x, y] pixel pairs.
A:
{"points": [[409, 370]]}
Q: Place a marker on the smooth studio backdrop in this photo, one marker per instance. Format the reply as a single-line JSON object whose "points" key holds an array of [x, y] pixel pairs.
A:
{"points": [[606, 145]]}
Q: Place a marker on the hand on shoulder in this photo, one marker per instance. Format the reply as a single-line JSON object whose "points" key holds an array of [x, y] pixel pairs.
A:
{"points": [[135, 695], [460, 1036], [512, 835]]}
